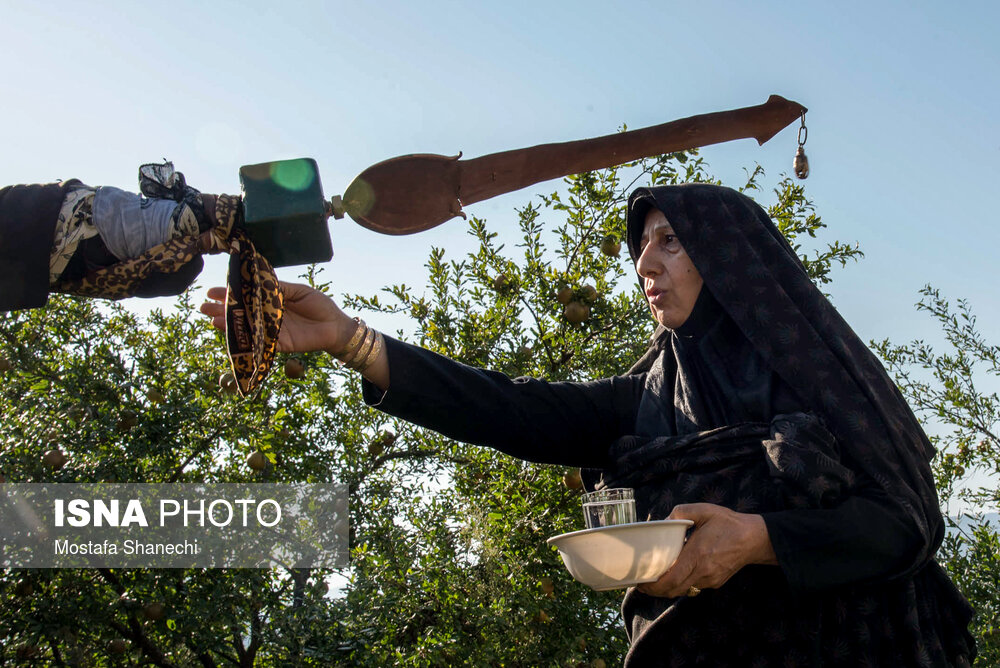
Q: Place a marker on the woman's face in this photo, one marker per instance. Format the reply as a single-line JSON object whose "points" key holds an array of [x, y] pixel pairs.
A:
{"points": [[668, 276]]}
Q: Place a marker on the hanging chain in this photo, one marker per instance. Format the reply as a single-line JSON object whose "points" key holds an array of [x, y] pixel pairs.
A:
{"points": [[800, 165]]}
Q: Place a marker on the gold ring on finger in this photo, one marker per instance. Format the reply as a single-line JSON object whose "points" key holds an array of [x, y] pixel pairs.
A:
{"points": [[692, 591]]}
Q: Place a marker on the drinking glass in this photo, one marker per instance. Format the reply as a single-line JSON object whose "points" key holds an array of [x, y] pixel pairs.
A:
{"points": [[608, 507]]}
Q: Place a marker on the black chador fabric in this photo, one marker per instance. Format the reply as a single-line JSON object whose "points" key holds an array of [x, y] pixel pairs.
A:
{"points": [[761, 285], [766, 401], [756, 618], [762, 370]]}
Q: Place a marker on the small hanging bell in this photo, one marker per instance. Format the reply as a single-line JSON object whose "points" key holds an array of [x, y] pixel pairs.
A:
{"points": [[801, 163]]}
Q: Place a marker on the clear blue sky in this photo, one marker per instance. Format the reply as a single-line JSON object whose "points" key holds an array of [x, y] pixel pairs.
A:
{"points": [[903, 98]]}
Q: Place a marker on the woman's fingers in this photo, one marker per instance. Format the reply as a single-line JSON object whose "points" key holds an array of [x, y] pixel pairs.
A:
{"points": [[217, 293], [293, 292], [217, 314], [212, 309], [216, 310], [312, 321], [699, 513], [722, 542], [675, 582]]}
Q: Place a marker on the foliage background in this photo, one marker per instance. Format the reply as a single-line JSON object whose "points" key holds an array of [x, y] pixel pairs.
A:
{"points": [[449, 562]]}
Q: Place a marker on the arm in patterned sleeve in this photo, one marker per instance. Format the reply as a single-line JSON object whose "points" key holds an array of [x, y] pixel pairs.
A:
{"points": [[53, 235]]}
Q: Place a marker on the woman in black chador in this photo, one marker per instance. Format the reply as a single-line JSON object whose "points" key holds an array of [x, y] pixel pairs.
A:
{"points": [[756, 412]]}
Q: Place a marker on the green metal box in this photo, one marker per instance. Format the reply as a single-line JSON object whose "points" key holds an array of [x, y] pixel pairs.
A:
{"points": [[285, 211]]}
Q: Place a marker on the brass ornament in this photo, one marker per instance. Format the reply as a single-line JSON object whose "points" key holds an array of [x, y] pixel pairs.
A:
{"points": [[800, 165]]}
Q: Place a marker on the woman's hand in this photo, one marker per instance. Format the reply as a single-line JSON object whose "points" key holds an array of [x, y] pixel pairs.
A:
{"points": [[312, 321], [721, 543]]}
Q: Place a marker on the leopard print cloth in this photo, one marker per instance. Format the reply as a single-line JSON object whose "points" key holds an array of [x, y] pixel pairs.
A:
{"points": [[253, 301], [254, 304]]}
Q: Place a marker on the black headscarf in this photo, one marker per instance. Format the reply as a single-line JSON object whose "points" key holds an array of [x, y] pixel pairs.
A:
{"points": [[765, 400], [812, 359]]}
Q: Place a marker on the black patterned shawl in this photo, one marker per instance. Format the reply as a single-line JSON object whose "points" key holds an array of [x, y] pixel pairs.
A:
{"points": [[765, 400], [759, 281]]}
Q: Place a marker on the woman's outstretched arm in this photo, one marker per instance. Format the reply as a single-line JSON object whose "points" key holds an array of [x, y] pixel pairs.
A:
{"points": [[564, 423], [557, 423]]}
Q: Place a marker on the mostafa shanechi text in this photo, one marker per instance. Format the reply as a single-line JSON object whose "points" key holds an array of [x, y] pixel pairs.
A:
{"points": [[127, 547]]}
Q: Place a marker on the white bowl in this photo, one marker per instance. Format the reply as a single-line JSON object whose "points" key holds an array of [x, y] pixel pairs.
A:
{"points": [[622, 555]]}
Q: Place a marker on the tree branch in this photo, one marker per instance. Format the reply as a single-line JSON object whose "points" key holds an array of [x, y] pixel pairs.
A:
{"points": [[418, 454], [198, 451], [205, 659], [134, 630], [256, 639]]}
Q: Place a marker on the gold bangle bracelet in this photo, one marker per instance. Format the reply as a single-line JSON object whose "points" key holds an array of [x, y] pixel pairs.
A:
{"points": [[376, 351], [352, 345], [363, 350], [351, 353], [359, 364]]}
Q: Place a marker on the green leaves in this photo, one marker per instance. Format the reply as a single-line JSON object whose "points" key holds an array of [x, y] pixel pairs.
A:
{"points": [[794, 215], [946, 391], [448, 540]]}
